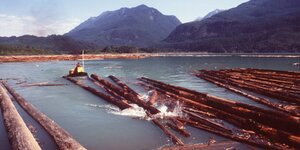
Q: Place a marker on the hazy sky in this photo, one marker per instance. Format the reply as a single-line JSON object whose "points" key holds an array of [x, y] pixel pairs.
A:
{"points": [[45, 17]]}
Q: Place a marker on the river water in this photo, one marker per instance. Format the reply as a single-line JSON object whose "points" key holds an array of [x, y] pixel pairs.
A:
{"points": [[99, 125]]}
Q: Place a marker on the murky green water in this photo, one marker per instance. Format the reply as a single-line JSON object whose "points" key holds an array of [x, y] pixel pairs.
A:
{"points": [[87, 117]]}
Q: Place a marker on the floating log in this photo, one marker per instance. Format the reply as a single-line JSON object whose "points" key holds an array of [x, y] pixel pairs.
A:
{"points": [[119, 103], [257, 88], [241, 139], [172, 136], [108, 90], [252, 97], [207, 114], [268, 117], [235, 115], [62, 138], [153, 97], [178, 129], [207, 122], [129, 96], [42, 84], [266, 83], [214, 146], [19, 135], [123, 85]]}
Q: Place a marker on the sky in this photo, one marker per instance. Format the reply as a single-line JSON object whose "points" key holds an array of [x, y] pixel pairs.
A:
{"points": [[46, 17]]}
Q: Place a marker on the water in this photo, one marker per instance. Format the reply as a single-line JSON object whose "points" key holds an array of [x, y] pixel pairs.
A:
{"points": [[99, 125]]}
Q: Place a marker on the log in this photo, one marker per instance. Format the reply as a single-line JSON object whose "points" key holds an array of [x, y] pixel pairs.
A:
{"points": [[153, 98], [129, 96], [252, 79], [207, 122], [241, 139], [108, 90], [42, 84], [121, 104], [251, 97], [238, 120], [19, 135], [267, 117], [123, 85], [178, 129], [258, 88], [62, 138], [172, 136]]}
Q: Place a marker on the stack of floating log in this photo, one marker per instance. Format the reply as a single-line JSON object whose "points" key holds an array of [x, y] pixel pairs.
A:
{"points": [[269, 129], [122, 96], [284, 86], [19, 135], [259, 127]]}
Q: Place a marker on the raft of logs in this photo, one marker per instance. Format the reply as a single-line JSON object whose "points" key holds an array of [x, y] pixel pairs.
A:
{"points": [[122, 96], [276, 128], [62, 138], [18, 134]]}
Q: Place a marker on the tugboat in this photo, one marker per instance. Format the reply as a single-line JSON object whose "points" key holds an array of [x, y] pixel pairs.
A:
{"points": [[78, 71]]}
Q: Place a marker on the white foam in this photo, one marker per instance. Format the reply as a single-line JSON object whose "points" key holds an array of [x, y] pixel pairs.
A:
{"points": [[134, 111], [138, 112], [106, 107]]}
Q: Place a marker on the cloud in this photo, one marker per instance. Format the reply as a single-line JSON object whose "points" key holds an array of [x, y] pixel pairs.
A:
{"points": [[11, 25]]}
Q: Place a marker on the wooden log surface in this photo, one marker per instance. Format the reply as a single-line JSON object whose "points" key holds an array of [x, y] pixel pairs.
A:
{"points": [[18, 134], [119, 103], [258, 88], [172, 136], [62, 138], [285, 108], [268, 117], [178, 129], [128, 93], [233, 116], [153, 97], [129, 96], [123, 85]]}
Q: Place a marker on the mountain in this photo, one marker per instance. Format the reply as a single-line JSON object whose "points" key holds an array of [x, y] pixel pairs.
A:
{"points": [[210, 14], [53, 43], [254, 26], [139, 26]]}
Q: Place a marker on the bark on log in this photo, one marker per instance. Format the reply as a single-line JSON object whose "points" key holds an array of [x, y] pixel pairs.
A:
{"points": [[252, 97], [109, 91], [178, 129], [153, 98], [271, 118], [62, 138], [237, 118], [264, 145], [123, 85], [129, 96], [18, 134], [121, 104], [207, 122], [172, 136], [257, 88]]}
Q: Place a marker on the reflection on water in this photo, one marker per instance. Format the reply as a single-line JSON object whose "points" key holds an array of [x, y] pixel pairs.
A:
{"points": [[99, 125]]}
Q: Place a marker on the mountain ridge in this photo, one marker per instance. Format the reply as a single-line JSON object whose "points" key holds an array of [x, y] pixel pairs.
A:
{"points": [[138, 26], [254, 26]]}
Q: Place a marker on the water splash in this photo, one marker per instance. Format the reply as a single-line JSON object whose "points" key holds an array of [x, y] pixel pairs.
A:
{"points": [[165, 112], [134, 111], [138, 112]]}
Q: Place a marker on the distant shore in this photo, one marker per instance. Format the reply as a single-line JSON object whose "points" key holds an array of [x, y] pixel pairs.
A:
{"points": [[41, 58]]}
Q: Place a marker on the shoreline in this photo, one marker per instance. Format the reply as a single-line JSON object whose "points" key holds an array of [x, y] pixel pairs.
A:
{"points": [[66, 57]]}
